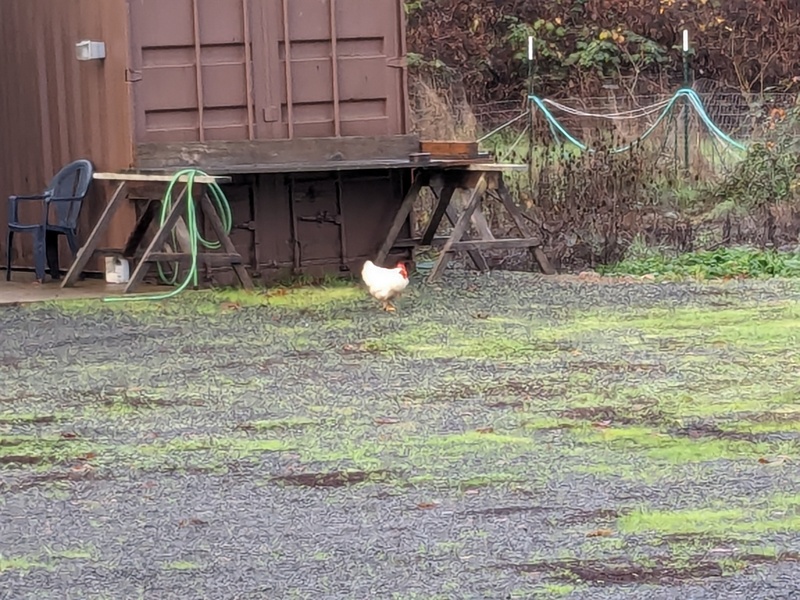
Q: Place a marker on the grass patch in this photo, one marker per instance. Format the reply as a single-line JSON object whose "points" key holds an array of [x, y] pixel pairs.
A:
{"points": [[555, 590], [20, 564], [230, 445], [182, 565], [663, 447], [280, 424], [721, 263], [780, 515], [486, 339], [43, 451], [316, 297]]}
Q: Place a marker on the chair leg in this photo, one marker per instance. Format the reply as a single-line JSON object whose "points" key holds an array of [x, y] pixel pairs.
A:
{"points": [[8, 254], [39, 252], [72, 240], [51, 246]]}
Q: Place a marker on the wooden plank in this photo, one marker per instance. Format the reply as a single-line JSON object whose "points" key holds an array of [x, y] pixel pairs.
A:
{"points": [[519, 220], [458, 230], [495, 167], [399, 220], [149, 178], [212, 259], [450, 149], [156, 243], [264, 152], [504, 244], [413, 243], [438, 214], [219, 229], [87, 251]]}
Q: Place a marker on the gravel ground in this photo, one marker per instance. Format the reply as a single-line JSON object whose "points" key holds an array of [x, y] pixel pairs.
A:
{"points": [[501, 436]]}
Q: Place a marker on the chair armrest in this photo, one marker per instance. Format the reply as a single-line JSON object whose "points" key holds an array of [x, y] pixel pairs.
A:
{"points": [[13, 204], [30, 197]]}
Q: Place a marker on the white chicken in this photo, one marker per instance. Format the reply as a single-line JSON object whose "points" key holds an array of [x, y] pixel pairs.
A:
{"points": [[385, 284]]}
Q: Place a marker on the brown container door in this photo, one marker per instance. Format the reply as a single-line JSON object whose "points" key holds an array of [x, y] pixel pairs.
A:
{"points": [[316, 219], [341, 73], [191, 70]]}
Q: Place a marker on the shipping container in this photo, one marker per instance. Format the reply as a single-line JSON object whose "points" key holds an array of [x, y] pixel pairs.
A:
{"points": [[286, 93]]}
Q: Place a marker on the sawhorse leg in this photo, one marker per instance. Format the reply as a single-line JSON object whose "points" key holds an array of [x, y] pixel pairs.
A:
{"points": [[444, 208], [158, 240], [225, 240], [459, 229], [399, 220], [519, 220], [86, 252]]}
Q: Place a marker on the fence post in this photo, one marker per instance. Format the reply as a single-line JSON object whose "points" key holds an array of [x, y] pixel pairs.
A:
{"points": [[530, 114], [686, 101]]}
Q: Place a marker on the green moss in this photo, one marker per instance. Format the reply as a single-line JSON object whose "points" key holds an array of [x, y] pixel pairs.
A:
{"points": [[182, 565], [776, 515], [280, 424], [43, 451], [316, 298], [19, 563], [556, 590], [660, 446]]}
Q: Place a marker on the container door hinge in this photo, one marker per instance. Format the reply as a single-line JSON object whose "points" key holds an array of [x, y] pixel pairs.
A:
{"points": [[132, 76]]}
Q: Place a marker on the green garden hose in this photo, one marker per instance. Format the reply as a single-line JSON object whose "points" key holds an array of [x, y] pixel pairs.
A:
{"points": [[195, 238]]}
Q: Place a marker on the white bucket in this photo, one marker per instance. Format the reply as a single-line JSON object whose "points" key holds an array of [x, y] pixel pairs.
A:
{"points": [[117, 270]]}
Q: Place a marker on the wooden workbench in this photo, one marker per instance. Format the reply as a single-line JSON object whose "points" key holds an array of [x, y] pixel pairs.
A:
{"points": [[154, 253], [481, 180]]}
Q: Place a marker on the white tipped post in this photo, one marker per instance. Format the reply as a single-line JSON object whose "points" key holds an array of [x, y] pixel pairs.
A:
{"points": [[530, 48], [685, 40]]}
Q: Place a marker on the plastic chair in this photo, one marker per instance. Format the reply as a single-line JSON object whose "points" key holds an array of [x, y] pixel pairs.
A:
{"points": [[66, 193]]}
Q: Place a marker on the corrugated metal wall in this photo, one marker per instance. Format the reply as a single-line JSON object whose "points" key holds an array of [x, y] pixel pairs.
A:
{"points": [[211, 70], [53, 108]]}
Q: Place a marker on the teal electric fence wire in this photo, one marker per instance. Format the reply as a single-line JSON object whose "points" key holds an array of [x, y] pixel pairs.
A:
{"points": [[692, 97]]}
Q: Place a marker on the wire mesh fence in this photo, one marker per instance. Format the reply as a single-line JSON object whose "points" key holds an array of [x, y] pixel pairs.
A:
{"points": [[441, 109], [663, 189]]}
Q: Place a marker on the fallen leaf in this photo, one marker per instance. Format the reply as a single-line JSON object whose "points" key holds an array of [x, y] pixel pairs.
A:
{"points": [[69, 435], [230, 306], [602, 424], [192, 521], [87, 456], [427, 505], [779, 460], [485, 430], [600, 533], [385, 421]]}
